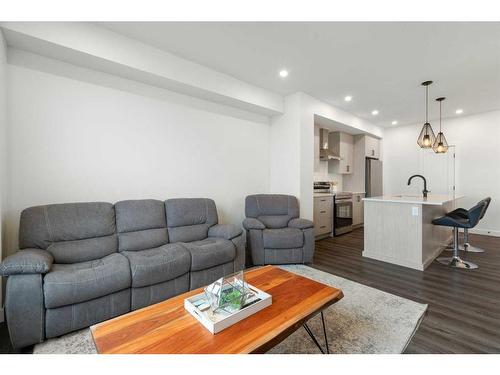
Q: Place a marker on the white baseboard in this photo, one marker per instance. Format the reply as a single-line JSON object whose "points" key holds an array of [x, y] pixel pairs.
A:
{"points": [[486, 232], [1, 315]]}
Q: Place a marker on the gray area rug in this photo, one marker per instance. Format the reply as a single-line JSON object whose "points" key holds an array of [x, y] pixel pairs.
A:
{"points": [[366, 320]]}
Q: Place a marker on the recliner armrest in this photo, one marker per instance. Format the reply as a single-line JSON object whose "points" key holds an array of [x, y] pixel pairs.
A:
{"points": [[227, 231], [252, 223], [27, 261], [300, 224]]}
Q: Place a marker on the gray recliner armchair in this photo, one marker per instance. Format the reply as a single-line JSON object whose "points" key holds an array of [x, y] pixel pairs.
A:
{"points": [[275, 233]]}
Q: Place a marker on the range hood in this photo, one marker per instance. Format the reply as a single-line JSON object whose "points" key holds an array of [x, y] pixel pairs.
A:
{"points": [[325, 153]]}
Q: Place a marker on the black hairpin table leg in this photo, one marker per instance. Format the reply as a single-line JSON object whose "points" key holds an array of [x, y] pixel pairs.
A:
{"points": [[311, 334]]}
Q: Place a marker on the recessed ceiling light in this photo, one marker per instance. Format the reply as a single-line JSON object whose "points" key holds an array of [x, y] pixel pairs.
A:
{"points": [[348, 98], [374, 112], [394, 122], [459, 111], [283, 73]]}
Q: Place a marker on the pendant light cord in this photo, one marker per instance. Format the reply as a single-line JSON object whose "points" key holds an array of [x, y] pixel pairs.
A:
{"points": [[426, 103], [440, 115]]}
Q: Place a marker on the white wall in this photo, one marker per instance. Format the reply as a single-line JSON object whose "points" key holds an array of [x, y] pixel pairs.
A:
{"points": [[3, 149], [72, 140], [284, 149], [477, 140], [92, 46]]}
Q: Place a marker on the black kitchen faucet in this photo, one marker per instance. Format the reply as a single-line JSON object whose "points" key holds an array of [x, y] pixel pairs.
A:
{"points": [[425, 191]]}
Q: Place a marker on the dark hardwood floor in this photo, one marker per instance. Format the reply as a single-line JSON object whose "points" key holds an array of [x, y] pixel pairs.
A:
{"points": [[464, 305]]}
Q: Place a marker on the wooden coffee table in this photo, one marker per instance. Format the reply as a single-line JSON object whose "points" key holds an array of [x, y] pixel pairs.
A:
{"points": [[167, 327]]}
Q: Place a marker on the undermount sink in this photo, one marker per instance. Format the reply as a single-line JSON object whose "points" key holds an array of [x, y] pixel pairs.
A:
{"points": [[407, 196]]}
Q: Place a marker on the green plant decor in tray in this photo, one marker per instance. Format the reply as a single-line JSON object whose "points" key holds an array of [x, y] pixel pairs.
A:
{"points": [[228, 293]]}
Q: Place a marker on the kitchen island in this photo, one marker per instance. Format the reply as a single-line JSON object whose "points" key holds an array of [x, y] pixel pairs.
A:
{"points": [[399, 230]]}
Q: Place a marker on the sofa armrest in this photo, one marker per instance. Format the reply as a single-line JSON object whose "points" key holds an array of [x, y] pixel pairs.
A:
{"points": [[28, 261], [240, 256], [227, 231], [300, 224], [25, 310], [252, 223]]}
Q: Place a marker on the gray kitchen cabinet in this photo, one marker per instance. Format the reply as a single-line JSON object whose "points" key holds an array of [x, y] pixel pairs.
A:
{"points": [[342, 144], [357, 208], [323, 215], [372, 147]]}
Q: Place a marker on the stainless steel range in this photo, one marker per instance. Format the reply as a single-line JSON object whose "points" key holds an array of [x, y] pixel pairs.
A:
{"points": [[342, 222], [322, 187]]}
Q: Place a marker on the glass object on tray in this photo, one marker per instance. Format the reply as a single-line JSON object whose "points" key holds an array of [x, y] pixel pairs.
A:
{"points": [[229, 293]]}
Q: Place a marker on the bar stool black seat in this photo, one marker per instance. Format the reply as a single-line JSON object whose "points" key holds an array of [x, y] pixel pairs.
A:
{"points": [[462, 212], [468, 220]]}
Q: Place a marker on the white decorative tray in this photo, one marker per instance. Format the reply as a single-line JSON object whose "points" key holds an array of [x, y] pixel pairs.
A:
{"points": [[222, 319]]}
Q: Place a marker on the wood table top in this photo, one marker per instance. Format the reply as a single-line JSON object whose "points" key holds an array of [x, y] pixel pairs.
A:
{"points": [[167, 328]]}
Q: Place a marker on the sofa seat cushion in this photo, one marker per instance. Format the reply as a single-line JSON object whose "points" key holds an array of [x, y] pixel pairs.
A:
{"points": [[210, 252], [158, 265], [68, 284], [284, 238]]}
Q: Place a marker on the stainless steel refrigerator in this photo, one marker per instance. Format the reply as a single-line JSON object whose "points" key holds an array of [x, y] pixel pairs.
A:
{"points": [[373, 177]]}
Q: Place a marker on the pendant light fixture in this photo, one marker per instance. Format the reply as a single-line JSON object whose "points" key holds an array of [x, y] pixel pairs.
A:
{"points": [[426, 137], [440, 145]]}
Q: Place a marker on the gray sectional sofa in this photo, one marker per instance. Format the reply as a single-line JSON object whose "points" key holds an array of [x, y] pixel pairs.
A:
{"points": [[275, 233], [83, 263]]}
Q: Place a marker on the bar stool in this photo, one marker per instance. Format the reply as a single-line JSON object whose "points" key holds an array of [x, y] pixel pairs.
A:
{"points": [[469, 221], [461, 212]]}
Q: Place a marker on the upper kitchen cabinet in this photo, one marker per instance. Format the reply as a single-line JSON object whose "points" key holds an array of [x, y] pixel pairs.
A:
{"points": [[342, 144], [372, 147]]}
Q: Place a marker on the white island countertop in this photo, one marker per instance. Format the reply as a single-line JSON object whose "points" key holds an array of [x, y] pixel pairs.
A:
{"points": [[432, 199], [331, 194]]}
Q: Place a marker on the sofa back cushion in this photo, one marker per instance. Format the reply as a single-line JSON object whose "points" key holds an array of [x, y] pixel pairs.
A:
{"points": [[273, 210], [71, 232], [188, 219], [141, 224]]}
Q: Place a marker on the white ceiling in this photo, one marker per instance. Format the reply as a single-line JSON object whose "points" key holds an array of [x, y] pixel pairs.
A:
{"points": [[380, 64]]}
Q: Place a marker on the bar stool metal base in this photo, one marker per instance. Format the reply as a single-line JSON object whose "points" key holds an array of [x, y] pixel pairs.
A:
{"points": [[470, 249], [456, 262], [466, 247]]}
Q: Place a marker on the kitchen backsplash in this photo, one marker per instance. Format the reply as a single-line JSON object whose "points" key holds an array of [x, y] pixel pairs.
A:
{"points": [[322, 174]]}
